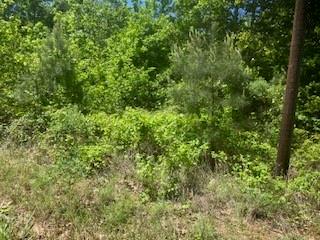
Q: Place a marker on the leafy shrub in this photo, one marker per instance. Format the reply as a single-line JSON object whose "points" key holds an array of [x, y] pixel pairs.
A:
{"points": [[253, 174], [95, 157], [162, 143], [307, 156], [305, 170], [71, 139], [308, 107], [25, 130], [68, 128], [266, 196]]}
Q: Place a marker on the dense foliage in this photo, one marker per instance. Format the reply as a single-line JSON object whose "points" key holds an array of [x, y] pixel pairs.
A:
{"points": [[167, 85]]}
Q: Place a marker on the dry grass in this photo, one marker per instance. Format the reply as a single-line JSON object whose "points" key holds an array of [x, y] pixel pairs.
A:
{"points": [[39, 201]]}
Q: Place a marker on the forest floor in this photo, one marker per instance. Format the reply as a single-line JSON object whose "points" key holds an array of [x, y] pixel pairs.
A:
{"points": [[38, 201]]}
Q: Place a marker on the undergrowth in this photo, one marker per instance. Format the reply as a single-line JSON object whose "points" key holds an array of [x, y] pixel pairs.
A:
{"points": [[41, 200]]}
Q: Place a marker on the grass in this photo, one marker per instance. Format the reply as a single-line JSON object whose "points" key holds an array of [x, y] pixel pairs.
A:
{"points": [[40, 201]]}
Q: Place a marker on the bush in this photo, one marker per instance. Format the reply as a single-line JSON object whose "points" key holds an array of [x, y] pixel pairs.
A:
{"points": [[308, 108], [266, 196], [25, 130], [161, 143], [307, 156], [305, 170], [71, 139]]}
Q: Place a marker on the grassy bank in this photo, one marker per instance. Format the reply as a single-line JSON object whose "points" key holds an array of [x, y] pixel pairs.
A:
{"points": [[40, 201]]}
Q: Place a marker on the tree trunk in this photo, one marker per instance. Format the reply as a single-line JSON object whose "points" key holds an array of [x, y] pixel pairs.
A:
{"points": [[288, 114]]}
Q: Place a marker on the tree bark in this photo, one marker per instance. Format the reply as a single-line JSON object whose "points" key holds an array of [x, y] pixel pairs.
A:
{"points": [[288, 114]]}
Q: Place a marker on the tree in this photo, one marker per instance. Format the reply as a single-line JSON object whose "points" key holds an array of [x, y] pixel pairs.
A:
{"points": [[216, 17], [283, 157], [210, 83], [31, 11], [53, 80]]}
